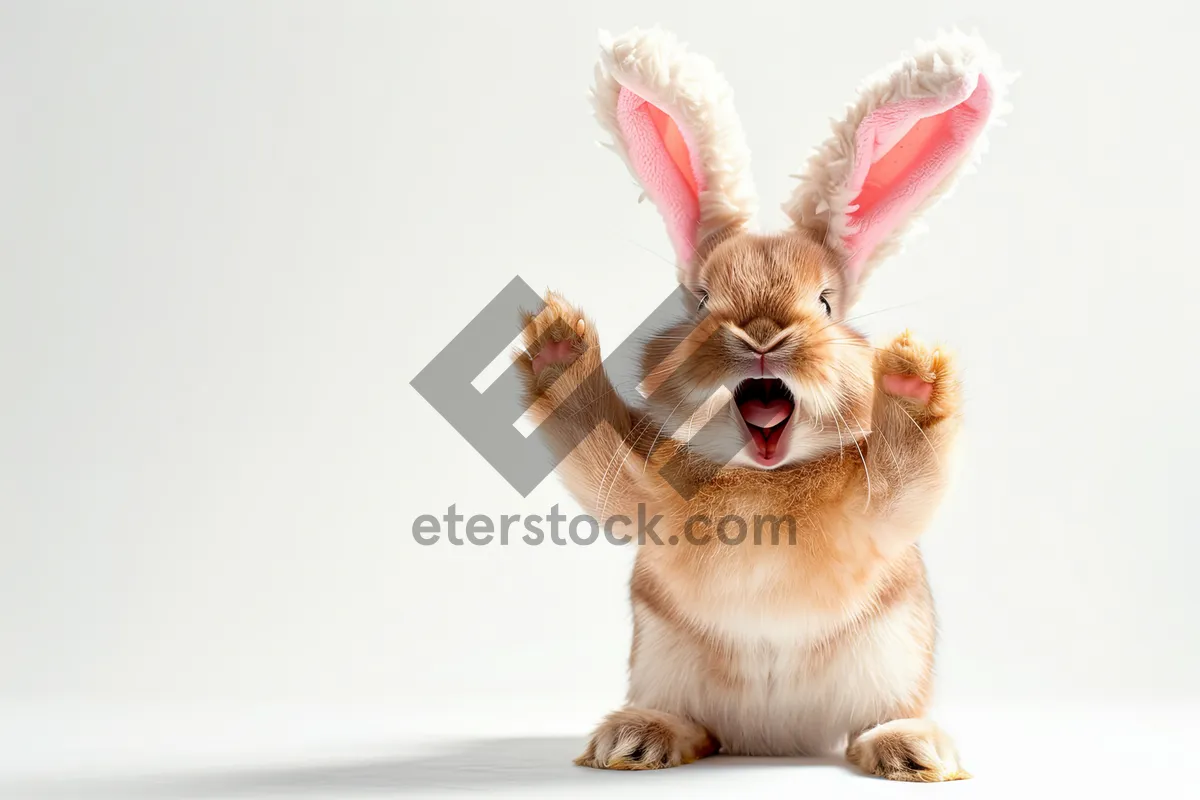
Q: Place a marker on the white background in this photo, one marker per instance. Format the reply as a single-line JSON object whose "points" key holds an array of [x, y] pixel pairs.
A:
{"points": [[231, 234]]}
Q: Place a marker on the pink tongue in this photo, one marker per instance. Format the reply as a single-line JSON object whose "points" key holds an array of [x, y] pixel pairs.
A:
{"points": [[765, 415]]}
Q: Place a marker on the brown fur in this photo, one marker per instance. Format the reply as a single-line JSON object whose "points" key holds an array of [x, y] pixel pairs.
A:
{"points": [[907, 750], [636, 739], [859, 505]]}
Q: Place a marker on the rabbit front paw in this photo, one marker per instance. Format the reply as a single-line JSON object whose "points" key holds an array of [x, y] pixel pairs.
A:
{"points": [[920, 378], [554, 340]]}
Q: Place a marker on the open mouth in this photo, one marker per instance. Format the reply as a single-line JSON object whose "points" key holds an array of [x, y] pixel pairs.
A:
{"points": [[766, 406]]}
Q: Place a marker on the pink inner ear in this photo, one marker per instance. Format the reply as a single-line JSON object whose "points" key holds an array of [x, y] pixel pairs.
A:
{"points": [[662, 156], [903, 152], [672, 139]]}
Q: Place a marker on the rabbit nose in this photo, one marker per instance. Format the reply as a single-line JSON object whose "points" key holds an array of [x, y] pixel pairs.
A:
{"points": [[762, 332]]}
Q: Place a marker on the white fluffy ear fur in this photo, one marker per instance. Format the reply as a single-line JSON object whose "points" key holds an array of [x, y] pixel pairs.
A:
{"points": [[672, 121], [899, 150]]}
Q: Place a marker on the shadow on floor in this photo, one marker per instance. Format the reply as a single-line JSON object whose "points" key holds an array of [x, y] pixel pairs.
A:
{"points": [[488, 764]]}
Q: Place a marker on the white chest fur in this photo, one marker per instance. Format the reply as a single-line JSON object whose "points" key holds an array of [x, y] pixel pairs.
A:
{"points": [[775, 686]]}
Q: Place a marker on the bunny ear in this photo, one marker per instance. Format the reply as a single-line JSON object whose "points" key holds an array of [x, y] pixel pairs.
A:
{"points": [[901, 148], [672, 121]]}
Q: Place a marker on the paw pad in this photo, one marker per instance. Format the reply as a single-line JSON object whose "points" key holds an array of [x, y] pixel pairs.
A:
{"points": [[553, 353], [556, 336], [909, 386], [919, 375]]}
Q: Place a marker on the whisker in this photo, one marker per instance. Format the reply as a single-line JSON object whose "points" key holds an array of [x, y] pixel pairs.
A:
{"points": [[877, 432], [841, 442], [599, 397], [651, 252], [604, 476], [617, 474], [661, 428], [872, 313], [861, 457], [853, 343], [920, 430]]}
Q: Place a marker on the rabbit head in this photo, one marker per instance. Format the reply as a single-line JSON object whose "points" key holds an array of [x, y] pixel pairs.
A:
{"points": [[766, 370]]}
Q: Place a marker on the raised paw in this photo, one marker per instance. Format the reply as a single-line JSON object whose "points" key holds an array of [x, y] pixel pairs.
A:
{"points": [[554, 339], [907, 750], [919, 376], [638, 738]]}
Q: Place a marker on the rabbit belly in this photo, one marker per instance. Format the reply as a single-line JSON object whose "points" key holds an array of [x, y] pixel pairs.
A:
{"points": [[779, 691]]}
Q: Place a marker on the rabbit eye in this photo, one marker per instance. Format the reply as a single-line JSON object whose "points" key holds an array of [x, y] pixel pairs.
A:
{"points": [[703, 301], [824, 301]]}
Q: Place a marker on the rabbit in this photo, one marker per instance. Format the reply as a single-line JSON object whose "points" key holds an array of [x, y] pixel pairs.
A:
{"points": [[824, 640]]}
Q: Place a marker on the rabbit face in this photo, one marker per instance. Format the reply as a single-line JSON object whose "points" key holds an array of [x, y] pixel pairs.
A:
{"points": [[771, 375]]}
